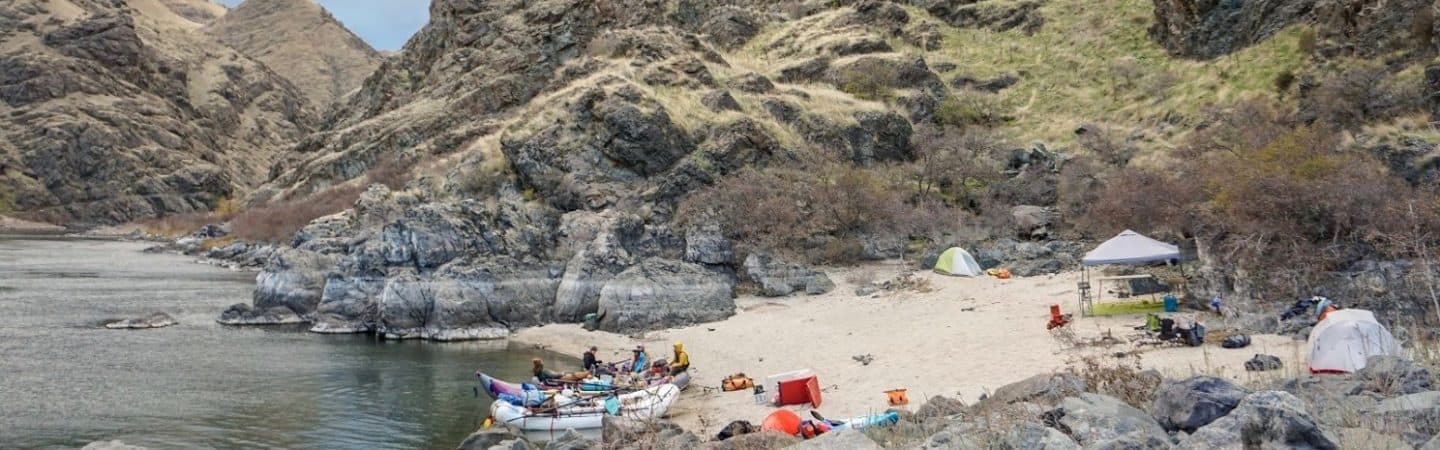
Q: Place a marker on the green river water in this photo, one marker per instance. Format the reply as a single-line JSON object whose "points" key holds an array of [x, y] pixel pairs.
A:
{"points": [[65, 382]]}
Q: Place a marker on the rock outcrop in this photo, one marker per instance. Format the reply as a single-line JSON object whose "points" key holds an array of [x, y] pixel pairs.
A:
{"points": [[1190, 404], [117, 112], [1206, 29], [660, 292], [302, 42], [778, 279]]}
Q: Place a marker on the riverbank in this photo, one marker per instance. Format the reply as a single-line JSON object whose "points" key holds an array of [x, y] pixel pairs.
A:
{"points": [[964, 337]]}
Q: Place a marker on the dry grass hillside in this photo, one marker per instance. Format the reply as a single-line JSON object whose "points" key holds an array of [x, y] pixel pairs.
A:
{"points": [[114, 111], [302, 42]]}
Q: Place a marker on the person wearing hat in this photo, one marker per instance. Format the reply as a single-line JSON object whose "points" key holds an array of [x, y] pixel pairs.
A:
{"points": [[590, 362], [638, 360], [681, 361]]}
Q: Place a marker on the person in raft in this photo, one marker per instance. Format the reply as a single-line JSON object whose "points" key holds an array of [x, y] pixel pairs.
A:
{"points": [[681, 362], [638, 361], [590, 362], [541, 373]]}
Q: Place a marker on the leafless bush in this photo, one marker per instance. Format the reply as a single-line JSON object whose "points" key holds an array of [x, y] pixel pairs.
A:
{"points": [[1126, 381], [276, 221]]}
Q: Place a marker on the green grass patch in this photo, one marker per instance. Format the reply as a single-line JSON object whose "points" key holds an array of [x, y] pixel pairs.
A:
{"points": [[1127, 308]]}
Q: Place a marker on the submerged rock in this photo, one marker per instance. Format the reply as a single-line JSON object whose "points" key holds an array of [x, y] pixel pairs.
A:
{"points": [[111, 445], [154, 320], [244, 314]]}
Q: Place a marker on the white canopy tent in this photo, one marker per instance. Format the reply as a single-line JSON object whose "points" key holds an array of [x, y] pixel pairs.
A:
{"points": [[1130, 247], [1126, 248]]}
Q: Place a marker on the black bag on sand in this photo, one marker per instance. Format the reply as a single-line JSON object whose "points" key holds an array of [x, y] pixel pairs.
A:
{"points": [[1236, 341], [736, 428], [1261, 363], [1195, 336]]}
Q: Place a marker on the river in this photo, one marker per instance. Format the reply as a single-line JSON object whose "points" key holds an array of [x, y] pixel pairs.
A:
{"points": [[64, 381]]}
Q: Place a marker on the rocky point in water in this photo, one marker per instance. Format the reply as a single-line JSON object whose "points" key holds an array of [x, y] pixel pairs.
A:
{"points": [[154, 320]]}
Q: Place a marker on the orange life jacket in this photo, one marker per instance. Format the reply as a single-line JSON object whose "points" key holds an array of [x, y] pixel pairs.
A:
{"points": [[737, 382]]}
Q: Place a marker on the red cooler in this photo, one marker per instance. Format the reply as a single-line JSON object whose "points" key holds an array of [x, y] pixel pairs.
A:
{"points": [[798, 391]]}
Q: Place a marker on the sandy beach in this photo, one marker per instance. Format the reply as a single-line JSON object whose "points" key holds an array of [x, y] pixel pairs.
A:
{"points": [[963, 338]]}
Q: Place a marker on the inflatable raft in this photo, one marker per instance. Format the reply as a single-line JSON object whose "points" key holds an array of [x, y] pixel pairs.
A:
{"points": [[584, 414]]}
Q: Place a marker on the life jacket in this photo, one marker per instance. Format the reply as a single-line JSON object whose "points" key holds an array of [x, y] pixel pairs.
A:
{"points": [[898, 397], [811, 428], [737, 382]]}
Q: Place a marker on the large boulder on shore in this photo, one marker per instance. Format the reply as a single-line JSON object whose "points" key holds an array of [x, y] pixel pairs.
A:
{"points": [[293, 279], [1267, 419], [490, 438], [1189, 404], [1045, 389], [1101, 421], [659, 293], [464, 302], [778, 279], [839, 440]]}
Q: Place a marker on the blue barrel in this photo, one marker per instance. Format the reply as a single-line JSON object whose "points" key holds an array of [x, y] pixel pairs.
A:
{"points": [[1172, 304]]}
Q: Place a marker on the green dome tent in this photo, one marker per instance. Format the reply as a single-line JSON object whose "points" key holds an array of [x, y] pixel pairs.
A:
{"points": [[957, 262]]}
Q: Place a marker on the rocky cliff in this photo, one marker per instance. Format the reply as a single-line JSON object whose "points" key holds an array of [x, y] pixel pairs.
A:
{"points": [[112, 111], [302, 42]]}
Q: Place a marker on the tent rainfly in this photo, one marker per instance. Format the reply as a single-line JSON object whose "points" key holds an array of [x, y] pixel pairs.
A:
{"points": [[1130, 247], [957, 262]]}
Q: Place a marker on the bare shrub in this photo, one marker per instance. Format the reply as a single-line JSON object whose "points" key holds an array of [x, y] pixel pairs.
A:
{"points": [[1110, 145], [1308, 41], [1126, 381], [278, 220], [1363, 95]]}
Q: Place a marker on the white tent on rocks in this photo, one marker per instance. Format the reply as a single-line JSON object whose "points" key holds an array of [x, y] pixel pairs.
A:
{"points": [[1345, 339]]}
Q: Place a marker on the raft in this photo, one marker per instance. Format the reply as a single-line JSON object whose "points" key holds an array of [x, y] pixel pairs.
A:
{"points": [[650, 403]]}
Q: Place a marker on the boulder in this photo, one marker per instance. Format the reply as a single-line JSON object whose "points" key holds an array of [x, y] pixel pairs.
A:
{"points": [[954, 437], [571, 440], [731, 26], [1029, 435], [1031, 221], [1190, 404], [660, 293], [839, 440], [489, 438], [1266, 419], [294, 279], [154, 320], [1432, 444], [720, 101], [1392, 375], [753, 83], [1413, 413], [1045, 389], [765, 440], [777, 279], [1101, 421], [244, 314], [1208, 29], [111, 445]]}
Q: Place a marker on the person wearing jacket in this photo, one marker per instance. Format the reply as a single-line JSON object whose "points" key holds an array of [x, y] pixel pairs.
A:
{"points": [[590, 362], [681, 361], [639, 362]]}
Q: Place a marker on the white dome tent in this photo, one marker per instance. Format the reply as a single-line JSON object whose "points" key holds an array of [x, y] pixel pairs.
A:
{"points": [[958, 263], [1345, 339]]}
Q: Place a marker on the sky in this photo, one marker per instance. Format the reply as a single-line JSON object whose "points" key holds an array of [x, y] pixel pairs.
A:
{"points": [[385, 24]]}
